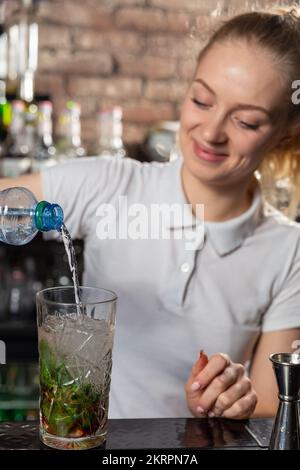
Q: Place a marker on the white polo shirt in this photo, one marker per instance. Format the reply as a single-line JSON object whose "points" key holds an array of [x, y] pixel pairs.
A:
{"points": [[172, 302]]}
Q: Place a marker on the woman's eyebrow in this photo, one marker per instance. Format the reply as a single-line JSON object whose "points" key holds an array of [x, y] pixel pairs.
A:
{"points": [[199, 80], [257, 108], [239, 106]]}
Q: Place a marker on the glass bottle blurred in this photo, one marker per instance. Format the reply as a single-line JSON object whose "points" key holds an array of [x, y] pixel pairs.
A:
{"points": [[3, 42], [18, 294], [44, 151], [3, 284], [110, 131], [5, 114], [5, 106], [23, 287], [30, 133], [69, 133], [22, 50], [15, 159]]}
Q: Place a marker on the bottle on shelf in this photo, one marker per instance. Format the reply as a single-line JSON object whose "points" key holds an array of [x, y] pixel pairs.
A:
{"points": [[110, 130], [22, 286], [5, 415], [3, 42], [5, 108], [44, 151], [5, 114], [17, 293], [22, 50], [15, 158], [3, 284], [69, 142], [22, 216], [29, 139]]}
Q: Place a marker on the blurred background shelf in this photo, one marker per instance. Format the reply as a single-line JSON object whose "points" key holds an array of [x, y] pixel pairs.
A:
{"points": [[19, 391], [23, 271]]}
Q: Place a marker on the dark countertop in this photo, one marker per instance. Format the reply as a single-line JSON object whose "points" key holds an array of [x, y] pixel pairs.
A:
{"points": [[170, 433]]}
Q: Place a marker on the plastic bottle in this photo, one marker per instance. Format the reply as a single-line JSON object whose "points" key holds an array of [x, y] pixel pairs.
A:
{"points": [[22, 216]]}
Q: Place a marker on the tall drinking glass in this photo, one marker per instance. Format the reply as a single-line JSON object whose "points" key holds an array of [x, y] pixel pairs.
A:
{"points": [[75, 357]]}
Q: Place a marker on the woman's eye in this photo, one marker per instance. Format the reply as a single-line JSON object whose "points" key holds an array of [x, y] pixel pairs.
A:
{"points": [[252, 127], [199, 103]]}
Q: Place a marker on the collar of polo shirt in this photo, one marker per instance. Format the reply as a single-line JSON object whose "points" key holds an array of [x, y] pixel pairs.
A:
{"points": [[224, 236], [229, 235]]}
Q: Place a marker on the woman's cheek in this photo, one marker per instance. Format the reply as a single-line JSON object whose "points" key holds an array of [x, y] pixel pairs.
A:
{"points": [[250, 146]]}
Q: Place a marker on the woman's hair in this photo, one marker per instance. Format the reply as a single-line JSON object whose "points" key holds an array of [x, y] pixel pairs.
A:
{"points": [[277, 32]]}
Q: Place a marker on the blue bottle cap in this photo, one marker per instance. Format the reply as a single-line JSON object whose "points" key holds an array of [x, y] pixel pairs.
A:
{"points": [[48, 216]]}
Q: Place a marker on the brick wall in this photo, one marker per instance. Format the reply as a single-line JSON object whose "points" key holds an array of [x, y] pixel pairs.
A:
{"points": [[136, 53]]}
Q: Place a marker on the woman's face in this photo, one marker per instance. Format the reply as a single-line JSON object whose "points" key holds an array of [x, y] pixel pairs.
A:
{"points": [[232, 114]]}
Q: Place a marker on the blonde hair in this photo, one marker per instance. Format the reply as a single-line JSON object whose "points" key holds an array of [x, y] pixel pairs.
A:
{"points": [[278, 32]]}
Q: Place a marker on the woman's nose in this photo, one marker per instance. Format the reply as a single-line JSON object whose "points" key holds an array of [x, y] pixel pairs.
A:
{"points": [[213, 130]]}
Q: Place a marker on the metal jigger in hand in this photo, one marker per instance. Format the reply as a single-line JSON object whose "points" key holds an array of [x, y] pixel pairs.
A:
{"points": [[286, 430]]}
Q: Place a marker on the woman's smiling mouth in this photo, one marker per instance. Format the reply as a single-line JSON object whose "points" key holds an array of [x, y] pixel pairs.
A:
{"points": [[207, 155]]}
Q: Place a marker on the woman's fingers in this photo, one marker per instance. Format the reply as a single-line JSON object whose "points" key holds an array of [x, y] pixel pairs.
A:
{"points": [[243, 408], [219, 385], [199, 364], [227, 399], [192, 391], [215, 366]]}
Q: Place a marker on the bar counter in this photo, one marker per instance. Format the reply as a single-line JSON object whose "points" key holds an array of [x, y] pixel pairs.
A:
{"points": [[170, 433]]}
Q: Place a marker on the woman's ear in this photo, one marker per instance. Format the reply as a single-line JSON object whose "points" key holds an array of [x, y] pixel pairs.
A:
{"points": [[293, 131], [285, 140]]}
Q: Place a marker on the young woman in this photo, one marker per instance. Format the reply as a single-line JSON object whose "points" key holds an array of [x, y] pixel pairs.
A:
{"points": [[237, 295]]}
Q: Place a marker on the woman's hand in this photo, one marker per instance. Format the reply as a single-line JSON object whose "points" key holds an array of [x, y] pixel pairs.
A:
{"points": [[219, 388]]}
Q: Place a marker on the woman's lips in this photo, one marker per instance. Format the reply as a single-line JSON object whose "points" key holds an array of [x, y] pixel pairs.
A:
{"points": [[208, 156]]}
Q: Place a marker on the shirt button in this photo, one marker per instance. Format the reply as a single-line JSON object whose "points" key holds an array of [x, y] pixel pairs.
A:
{"points": [[185, 267]]}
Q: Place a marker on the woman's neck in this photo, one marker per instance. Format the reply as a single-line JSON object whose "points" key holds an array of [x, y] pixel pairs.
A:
{"points": [[220, 203]]}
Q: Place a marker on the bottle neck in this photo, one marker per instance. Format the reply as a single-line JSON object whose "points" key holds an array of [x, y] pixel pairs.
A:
{"points": [[74, 131], [45, 130], [27, 86], [2, 91], [17, 121]]}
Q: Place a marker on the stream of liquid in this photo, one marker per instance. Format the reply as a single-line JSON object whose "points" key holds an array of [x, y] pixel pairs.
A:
{"points": [[67, 240]]}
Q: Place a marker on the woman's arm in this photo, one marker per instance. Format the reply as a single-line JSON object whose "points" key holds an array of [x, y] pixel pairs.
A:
{"points": [[262, 375], [33, 182]]}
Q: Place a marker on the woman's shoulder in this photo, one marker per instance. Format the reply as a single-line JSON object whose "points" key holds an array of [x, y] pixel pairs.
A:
{"points": [[277, 223], [278, 218], [127, 166], [129, 162]]}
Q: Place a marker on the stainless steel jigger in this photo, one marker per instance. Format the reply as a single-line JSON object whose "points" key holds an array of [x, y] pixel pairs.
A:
{"points": [[286, 429]]}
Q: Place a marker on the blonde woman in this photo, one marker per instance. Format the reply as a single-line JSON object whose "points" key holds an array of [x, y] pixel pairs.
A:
{"points": [[239, 116], [237, 296]]}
